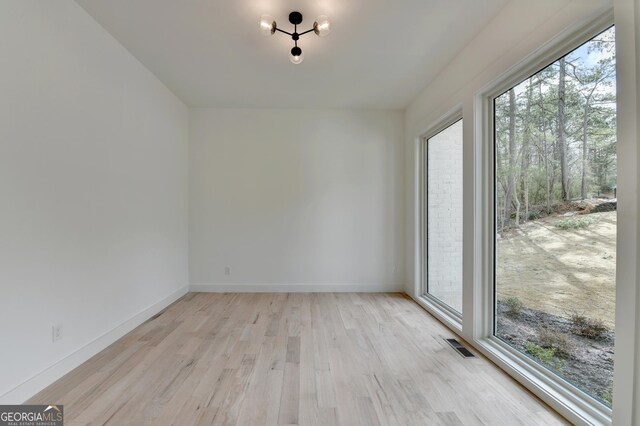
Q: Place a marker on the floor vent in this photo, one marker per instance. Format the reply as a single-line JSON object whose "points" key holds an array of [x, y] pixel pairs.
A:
{"points": [[460, 348]]}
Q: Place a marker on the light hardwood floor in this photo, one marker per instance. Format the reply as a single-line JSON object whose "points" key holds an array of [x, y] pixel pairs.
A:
{"points": [[285, 359]]}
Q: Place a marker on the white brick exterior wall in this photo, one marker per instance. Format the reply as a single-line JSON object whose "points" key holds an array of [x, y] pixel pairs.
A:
{"points": [[444, 215]]}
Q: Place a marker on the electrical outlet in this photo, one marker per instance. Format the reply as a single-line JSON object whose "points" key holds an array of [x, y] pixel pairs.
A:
{"points": [[56, 332], [227, 270]]}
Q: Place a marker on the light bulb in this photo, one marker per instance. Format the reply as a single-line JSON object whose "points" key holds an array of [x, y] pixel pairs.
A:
{"points": [[267, 25], [322, 26], [296, 55]]}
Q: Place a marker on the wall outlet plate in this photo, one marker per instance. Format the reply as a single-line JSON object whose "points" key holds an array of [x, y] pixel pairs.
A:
{"points": [[227, 270], [56, 332]]}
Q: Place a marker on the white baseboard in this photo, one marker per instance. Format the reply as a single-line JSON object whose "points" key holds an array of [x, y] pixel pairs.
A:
{"points": [[295, 288], [35, 384]]}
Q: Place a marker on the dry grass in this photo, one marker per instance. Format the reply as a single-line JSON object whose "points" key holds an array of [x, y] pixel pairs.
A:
{"points": [[559, 271], [514, 305], [559, 342], [588, 327]]}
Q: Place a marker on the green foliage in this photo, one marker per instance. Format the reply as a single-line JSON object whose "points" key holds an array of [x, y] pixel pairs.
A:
{"points": [[560, 343], [514, 305], [575, 222], [591, 328], [606, 187], [532, 132], [545, 355], [607, 396], [533, 215]]}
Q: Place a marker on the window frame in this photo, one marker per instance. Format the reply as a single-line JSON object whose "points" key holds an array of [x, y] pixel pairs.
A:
{"points": [[567, 399], [440, 309]]}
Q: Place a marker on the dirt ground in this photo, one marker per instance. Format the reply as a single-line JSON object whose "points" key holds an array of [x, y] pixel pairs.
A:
{"points": [[561, 271], [590, 365]]}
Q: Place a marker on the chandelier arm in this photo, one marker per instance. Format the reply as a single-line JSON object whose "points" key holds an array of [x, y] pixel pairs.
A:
{"points": [[308, 31], [282, 31]]}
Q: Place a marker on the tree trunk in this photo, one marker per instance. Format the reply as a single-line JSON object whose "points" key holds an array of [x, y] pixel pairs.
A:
{"points": [[524, 159], [546, 172], [545, 145], [512, 193], [583, 185], [562, 137]]}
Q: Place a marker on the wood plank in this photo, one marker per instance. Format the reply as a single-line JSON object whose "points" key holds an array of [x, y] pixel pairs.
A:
{"points": [[288, 359]]}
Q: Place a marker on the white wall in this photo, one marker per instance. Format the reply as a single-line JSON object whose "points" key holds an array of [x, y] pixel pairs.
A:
{"points": [[295, 199], [93, 190]]}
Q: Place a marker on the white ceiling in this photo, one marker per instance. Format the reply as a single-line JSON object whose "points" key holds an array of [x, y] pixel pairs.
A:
{"points": [[210, 53]]}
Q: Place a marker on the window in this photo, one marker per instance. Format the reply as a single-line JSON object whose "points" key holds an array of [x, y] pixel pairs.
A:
{"points": [[443, 216], [555, 216]]}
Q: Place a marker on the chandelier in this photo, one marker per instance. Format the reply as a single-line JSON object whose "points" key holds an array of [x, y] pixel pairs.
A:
{"points": [[321, 26]]}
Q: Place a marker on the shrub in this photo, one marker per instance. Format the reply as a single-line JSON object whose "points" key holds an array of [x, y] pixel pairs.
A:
{"points": [[533, 215], [559, 342], [546, 356], [607, 396], [591, 328], [575, 222], [514, 305], [606, 188]]}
